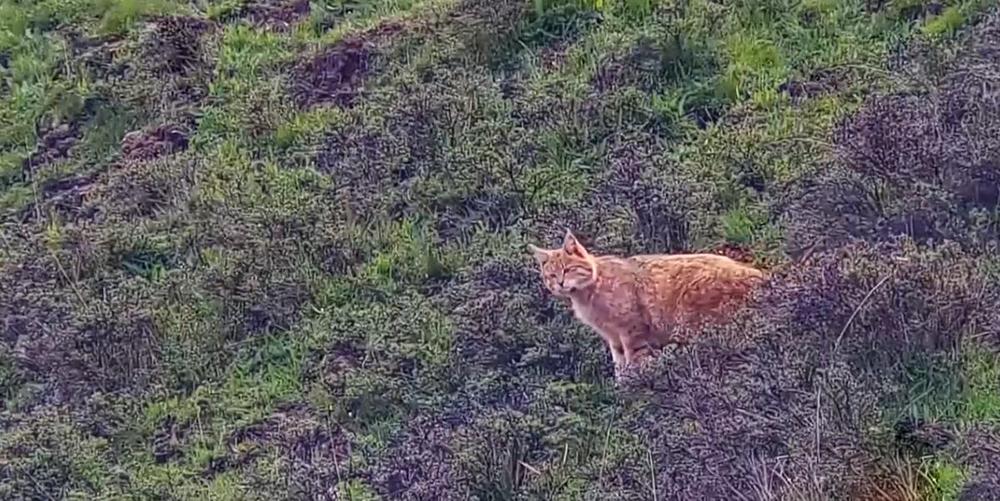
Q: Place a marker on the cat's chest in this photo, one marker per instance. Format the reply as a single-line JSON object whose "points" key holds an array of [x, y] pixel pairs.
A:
{"points": [[597, 315], [582, 312]]}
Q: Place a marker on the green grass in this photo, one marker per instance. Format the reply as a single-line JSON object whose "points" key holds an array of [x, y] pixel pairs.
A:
{"points": [[306, 263], [980, 397], [946, 481], [968, 395], [963, 388], [119, 16]]}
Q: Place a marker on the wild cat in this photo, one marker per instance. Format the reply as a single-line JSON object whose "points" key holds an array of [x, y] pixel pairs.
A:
{"points": [[636, 303]]}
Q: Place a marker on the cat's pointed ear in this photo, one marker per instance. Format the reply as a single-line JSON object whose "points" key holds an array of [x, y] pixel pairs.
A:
{"points": [[541, 255], [572, 246]]}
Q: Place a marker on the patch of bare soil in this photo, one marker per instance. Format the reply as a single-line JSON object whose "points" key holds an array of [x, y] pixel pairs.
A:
{"points": [[56, 330], [174, 44], [907, 10], [127, 189], [338, 74], [92, 55], [54, 145], [819, 83], [151, 143], [333, 76], [169, 67], [141, 189], [422, 465], [67, 196], [311, 451], [642, 67], [278, 15]]}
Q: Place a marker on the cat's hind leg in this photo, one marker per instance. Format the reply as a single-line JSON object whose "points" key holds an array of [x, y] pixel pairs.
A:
{"points": [[637, 350]]}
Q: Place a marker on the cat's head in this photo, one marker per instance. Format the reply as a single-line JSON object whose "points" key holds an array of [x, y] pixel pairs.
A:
{"points": [[568, 269]]}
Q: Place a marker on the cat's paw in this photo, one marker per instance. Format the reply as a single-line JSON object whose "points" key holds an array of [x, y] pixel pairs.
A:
{"points": [[625, 376], [631, 374]]}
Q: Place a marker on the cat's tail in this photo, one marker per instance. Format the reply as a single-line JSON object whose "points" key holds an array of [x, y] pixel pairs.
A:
{"points": [[744, 256], [734, 252]]}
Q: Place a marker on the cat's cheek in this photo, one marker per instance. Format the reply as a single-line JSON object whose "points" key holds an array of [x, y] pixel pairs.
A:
{"points": [[576, 284]]}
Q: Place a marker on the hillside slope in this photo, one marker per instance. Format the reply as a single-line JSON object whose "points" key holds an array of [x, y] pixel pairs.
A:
{"points": [[277, 249]]}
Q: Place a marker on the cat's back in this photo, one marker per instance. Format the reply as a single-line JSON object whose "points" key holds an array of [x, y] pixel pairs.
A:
{"points": [[674, 266], [691, 286]]}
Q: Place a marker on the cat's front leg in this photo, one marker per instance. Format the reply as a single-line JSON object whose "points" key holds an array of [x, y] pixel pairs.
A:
{"points": [[618, 357], [637, 350]]}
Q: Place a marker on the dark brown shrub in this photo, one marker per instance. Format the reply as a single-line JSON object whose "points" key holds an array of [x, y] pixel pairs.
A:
{"points": [[275, 14], [895, 138], [312, 454], [168, 67], [790, 402], [334, 76], [422, 464], [944, 140]]}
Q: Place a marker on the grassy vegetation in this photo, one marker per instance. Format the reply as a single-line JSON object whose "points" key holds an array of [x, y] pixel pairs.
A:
{"points": [[277, 249]]}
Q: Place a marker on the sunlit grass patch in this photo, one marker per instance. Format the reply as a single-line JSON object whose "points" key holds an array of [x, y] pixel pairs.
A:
{"points": [[118, 16]]}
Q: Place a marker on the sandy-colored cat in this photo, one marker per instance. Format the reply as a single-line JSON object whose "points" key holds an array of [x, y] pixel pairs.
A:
{"points": [[636, 302]]}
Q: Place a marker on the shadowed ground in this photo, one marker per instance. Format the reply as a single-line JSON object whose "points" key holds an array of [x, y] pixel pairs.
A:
{"points": [[268, 249]]}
